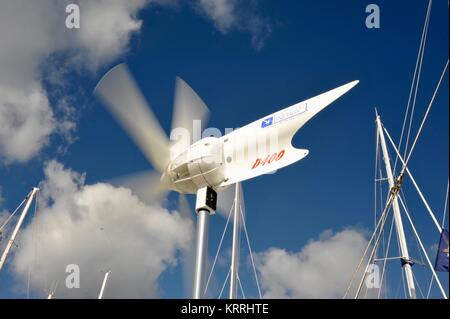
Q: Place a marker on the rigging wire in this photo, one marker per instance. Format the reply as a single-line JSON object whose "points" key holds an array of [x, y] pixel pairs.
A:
{"points": [[445, 207], [385, 257], [218, 249], [377, 241], [13, 213], [413, 145], [415, 184], [418, 79], [251, 254], [423, 248], [224, 283], [240, 286], [418, 286], [422, 262], [414, 79], [397, 291], [382, 218]]}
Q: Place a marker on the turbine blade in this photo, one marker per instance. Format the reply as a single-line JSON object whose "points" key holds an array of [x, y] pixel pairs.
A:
{"points": [[188, 107], [123, 99], [144, 184], [225, 200]]}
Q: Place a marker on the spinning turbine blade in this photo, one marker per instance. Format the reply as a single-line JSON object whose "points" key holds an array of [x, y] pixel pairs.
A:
{"points": [[225, 201], [124, 100], [144, 184], [188, 107]]}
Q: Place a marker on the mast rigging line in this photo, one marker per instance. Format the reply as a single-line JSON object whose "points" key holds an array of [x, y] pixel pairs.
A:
{"points": [[423, 248], [377, 241], [224, 284], [251, 254], [218, 249], [13, 213], [445, 207], [418, 78], [382, 217], [424, 119], [433, 217], [386, 258], [419, 58]]}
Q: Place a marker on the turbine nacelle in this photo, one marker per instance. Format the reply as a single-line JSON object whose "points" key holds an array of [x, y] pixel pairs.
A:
{"points": [[198, 166]]}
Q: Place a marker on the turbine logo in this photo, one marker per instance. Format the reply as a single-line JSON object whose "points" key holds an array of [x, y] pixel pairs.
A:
{"points": [[267, 122]]}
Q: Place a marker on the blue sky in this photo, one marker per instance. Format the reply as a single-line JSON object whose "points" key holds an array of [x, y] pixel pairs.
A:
{"points": [[313, 46]]}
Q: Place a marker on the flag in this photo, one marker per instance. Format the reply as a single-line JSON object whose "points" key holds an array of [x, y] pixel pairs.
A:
{"points": [[442, 254]]}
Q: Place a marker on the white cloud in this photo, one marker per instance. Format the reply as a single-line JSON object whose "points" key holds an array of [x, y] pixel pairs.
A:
{"points": [[228, 15], [322, 269], [106, 28], [221, 12], [27, 120], [41, 50], [98, 227]]}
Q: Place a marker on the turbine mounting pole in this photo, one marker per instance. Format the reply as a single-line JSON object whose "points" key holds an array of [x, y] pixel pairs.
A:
{"points": [[30, 197], [393, 185], [235, 248], [205, 206]]}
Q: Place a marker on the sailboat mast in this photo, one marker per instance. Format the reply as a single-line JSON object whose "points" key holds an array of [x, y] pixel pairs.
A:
{"points": [[102, 290], [18, 225], [406, 262]]}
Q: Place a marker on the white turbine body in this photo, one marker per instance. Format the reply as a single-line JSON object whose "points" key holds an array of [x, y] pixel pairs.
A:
{"points": [[255, 149], [188, 163]]}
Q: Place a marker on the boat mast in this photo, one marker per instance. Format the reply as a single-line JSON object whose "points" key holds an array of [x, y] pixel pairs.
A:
{"points": [[393, 185], [30, 197], [102, 290]]}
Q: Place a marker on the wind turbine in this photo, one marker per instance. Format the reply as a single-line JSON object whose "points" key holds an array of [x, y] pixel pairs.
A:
{"points": [[189, 164]]}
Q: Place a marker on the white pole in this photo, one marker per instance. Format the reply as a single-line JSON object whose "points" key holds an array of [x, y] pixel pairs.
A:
{"points": [[423, 250], [18, 225], [397, 217], [205, 205], [102, 290], [201, 252], [235, 246]]}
